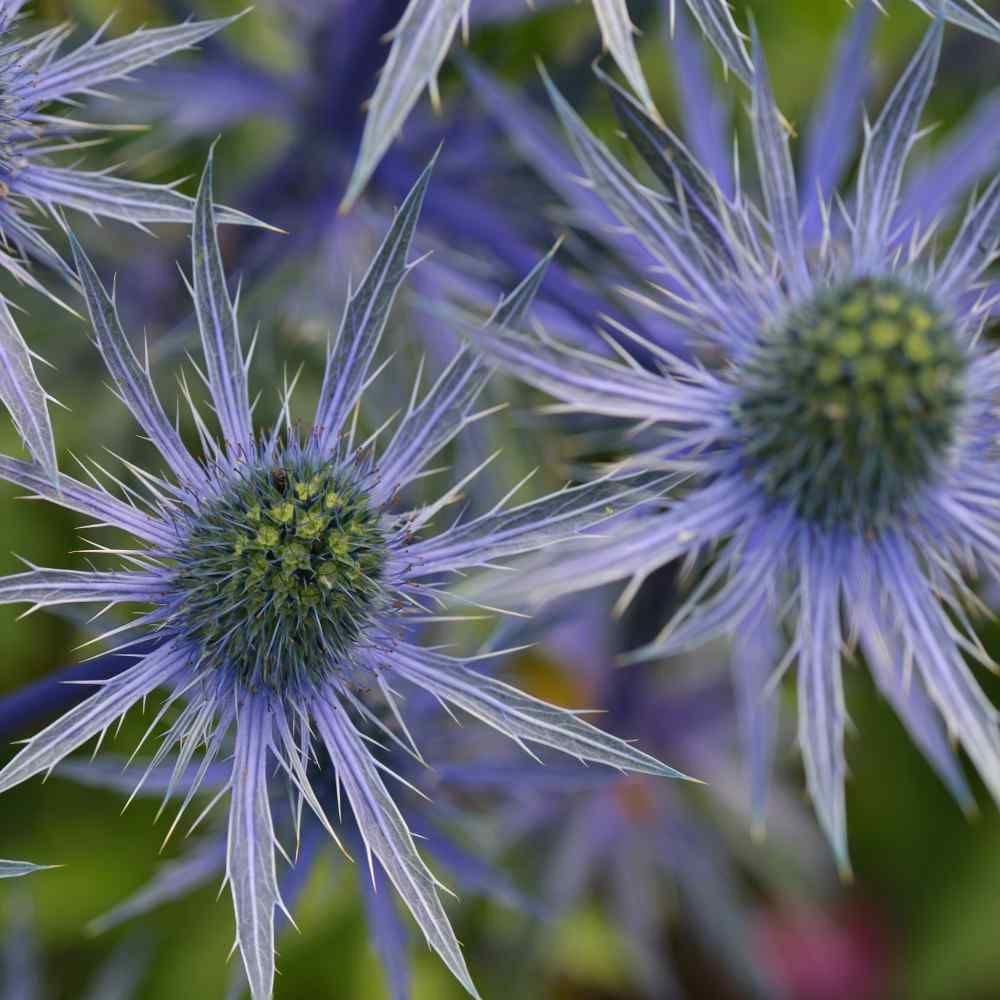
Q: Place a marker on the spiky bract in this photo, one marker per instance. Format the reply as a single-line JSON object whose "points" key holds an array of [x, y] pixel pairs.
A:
{"points": [[37, 76]]}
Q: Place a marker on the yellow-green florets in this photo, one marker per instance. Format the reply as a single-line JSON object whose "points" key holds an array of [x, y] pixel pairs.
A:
{"points": [[280, 576], [847, 407]]}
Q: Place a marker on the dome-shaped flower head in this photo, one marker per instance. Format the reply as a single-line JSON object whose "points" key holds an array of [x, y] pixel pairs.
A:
{"points": [[838, 434], [36, 77], [283, 582]]}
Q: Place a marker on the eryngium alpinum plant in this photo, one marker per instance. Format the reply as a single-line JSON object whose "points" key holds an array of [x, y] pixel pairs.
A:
{"points": [[283, 582], [838, 435]]}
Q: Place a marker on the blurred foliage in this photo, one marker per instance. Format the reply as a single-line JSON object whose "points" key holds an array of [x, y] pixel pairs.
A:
{"points": [[928, 874]]}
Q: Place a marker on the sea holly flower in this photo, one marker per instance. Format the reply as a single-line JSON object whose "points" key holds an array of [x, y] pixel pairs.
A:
{"points": [[424, 33], [37, 75], [282, 580], [836, 427]]}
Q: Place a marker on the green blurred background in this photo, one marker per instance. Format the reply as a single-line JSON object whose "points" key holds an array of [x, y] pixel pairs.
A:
{"points": [[926, 895]]}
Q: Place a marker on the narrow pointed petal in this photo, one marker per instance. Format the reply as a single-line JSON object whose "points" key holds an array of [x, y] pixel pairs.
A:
{"points": [[888, 146], [689, 188], [636, 549], [217, 324], [667, 235], [388, 933], [833, 130], [73, 495], [446, 410], [23, 395], [534, 525], [908, 697], [386, 835], [970, 154], [443, 413], [351, 357], [15, 869], [120, 976], [757, 648], [703, 107], [588, 381], [113, 772], [96, 62], [822, 716], [521, 717], [48, 587], [975, 244], [93, 716], [115, 197], [716, 21], [618, 34], [777, 175], [250, 868], [132, 379], [419, 44], [927, 635]]}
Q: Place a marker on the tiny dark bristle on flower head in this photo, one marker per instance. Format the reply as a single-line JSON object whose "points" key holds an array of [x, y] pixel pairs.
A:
{"points": [[285, 583], [850, 401]]}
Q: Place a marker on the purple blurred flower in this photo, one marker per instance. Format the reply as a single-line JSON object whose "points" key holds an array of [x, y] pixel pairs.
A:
{"points": [[468, 217], [23, 972], [285, 584], [658, 855], [838, 434]]}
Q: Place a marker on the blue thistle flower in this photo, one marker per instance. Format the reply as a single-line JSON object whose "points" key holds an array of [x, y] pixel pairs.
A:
{"points": [[838, 435], [282, 580], [35, 78]]}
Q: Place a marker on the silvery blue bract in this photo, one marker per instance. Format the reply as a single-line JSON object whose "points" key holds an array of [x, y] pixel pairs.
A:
{"points": [[37, 75]]}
